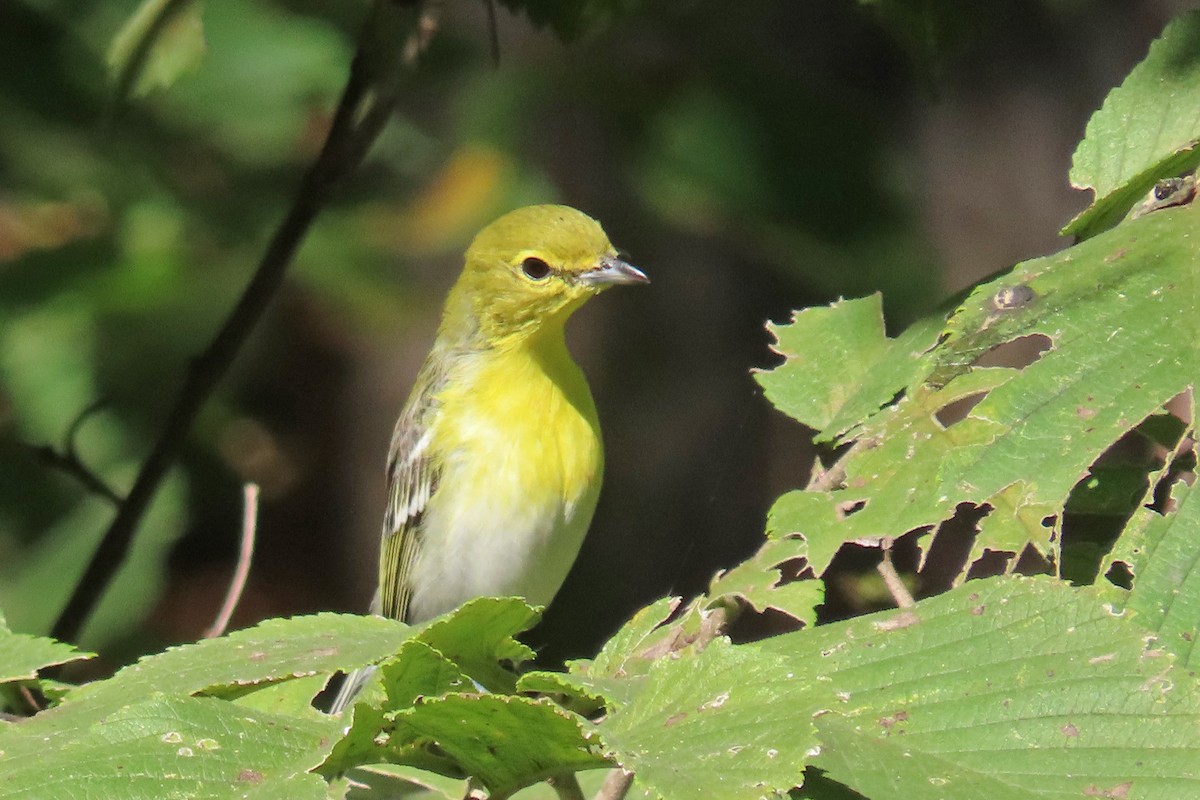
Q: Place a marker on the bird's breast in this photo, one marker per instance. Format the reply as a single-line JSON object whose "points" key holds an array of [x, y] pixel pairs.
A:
{"points": [[522, 464]]}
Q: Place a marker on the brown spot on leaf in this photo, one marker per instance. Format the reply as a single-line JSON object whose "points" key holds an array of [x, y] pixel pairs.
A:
{"points": [[1070, 731], [1118, 792], [1083, 412], [251, 776], [977, 611], [888, 722], [1116, 255], [257, 656], [675, 719]]}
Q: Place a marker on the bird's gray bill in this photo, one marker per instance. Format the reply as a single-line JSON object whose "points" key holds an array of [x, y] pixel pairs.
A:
{"points": [[613, 270]]}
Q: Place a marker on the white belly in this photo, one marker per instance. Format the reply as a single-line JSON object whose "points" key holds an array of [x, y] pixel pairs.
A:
{"points": [[504, 541]]}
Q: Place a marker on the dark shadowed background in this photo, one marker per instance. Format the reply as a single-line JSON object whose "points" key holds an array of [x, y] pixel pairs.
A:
{"points": [[753, 158]]}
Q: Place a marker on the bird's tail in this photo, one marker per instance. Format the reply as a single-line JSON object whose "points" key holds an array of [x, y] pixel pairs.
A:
{"points": [[350, 688]]}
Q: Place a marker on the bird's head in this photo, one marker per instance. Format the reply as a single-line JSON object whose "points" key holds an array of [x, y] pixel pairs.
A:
{"points": [[534, 266]]}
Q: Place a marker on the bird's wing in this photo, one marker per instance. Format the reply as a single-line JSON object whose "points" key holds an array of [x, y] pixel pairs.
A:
{"points": [[412, 477]]}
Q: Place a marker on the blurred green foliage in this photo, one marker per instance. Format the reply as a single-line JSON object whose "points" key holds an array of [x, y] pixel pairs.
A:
{"points": [[752, 159]]}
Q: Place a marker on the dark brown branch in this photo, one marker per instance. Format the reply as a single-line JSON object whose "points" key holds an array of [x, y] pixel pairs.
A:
{"points": [[68, 461], [69, 464], [368, 99]]}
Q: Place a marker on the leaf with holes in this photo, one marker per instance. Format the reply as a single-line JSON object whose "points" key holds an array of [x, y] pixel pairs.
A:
{"points": [[1117, 313], [762, 581], [1162, 550]]}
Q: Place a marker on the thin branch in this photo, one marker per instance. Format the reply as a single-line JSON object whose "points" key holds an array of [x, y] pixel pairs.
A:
{"points": [[69, 464], [68, 461], [835, 476], [373, 69], [32, 699], [493, 31], [616, 785], [245, 553], [891, 579]]}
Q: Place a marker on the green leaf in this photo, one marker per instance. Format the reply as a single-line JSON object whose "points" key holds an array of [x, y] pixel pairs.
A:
{"points": [[1147, 130], [21, 655], [1006, 688], [506, 742], [631, 643], [480, 638], [285, 697], [814, 383], [168, 747], [840, 366], [728, 723], [417, 671], [1163, 552], [1032, 433], [813, 516], [161, 40], [414, 672], [276, 649], [610, 679], [392, 781], [760, 582]]}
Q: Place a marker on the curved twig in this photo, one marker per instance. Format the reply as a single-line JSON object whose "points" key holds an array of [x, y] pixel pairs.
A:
{"points": [[241, 572]]}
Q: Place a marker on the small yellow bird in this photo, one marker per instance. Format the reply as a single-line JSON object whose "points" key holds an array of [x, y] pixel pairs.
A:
{"points": [[496, 460]]}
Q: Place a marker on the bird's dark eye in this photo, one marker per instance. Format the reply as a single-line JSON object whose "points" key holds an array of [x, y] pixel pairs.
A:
{"points": [[535, 268]]}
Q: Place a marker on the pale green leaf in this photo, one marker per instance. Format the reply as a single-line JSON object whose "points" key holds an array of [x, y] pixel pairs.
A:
{"points": [[414, 672], [760, 582], [728, 723], [1163, 553], [480, 637], [285, 697], [506, 742], [1147, 129], [829, 351], [1007, 688], [21, 655], [273, 650], [164, 747]]}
